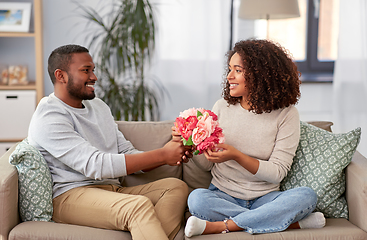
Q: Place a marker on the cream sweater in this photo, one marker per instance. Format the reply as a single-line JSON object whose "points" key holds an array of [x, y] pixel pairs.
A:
{"points": [[272, 138]]}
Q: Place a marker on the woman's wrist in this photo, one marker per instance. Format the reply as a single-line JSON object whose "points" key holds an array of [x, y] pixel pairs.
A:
{"points": [[249, 163], [240, 157]]}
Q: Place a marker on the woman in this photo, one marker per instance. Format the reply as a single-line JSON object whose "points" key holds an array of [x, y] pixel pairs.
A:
{"points": [[262, 129]]}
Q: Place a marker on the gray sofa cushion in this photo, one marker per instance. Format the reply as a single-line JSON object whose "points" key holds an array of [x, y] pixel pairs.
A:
{"points": [[334, 229], [147, 136]]}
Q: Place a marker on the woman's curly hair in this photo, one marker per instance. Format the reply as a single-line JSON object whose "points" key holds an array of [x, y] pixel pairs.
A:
{"points": [[272, 78]]}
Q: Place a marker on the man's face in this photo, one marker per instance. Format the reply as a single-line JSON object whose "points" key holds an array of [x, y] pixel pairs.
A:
{"points": [[81, 78]]}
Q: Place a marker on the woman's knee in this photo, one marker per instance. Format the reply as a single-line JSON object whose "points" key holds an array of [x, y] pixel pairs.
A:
{"points": [[197, 199], [308, 195]]}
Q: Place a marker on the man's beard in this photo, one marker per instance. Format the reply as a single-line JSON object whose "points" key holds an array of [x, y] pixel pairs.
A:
{"points": [[77, 92]]}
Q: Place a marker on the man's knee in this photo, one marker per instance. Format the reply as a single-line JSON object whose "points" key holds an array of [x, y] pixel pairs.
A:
{"points": [[181, 186], [142, 203], [176, 185], [138, 207]]}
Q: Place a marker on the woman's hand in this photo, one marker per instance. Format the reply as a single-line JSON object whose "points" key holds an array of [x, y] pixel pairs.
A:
{"points": [[226, 152]]}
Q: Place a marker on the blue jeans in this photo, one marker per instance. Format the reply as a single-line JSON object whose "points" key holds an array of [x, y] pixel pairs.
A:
{"points": [[272, 212]]}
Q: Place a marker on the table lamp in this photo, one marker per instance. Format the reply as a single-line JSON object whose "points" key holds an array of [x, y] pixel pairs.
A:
{"points": [[268, 9]]}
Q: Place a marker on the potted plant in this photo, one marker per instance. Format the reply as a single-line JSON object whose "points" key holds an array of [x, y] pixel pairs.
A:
{"points": [[122, 49]]}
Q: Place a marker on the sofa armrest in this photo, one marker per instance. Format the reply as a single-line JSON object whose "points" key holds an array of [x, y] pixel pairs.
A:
{"points": [[356, 190], [9, 216]]}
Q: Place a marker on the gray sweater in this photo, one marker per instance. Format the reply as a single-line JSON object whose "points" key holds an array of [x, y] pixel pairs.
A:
{"points": [[272, 138], [82, 146]]}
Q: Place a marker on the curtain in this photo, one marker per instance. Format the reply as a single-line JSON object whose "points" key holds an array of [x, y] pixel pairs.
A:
{"points": [[350, 73], [193, 38]]}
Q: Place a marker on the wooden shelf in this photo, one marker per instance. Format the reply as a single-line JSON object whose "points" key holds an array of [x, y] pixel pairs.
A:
{"points": [[38, 49], [29, 86], [16, 34], [36, 82], [11, 140]]}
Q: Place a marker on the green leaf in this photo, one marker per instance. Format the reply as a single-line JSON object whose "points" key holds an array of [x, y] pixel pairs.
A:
{"points": [[123, 43], [198, 114], [189, 142], [196, 152]]}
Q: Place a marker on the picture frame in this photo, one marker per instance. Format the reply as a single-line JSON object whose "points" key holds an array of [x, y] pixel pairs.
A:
{"points": [[15, 16]]}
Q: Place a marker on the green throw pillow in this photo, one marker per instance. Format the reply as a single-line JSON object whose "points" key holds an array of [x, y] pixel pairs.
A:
{"points": [[319, 163], [35, 183]]}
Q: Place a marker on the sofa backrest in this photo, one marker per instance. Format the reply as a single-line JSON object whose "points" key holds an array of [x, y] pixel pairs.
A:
{"points": [[147, 136]]}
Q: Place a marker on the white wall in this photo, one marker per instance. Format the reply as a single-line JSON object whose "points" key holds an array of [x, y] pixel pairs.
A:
{"points": [[63, 25], [316, 102]]}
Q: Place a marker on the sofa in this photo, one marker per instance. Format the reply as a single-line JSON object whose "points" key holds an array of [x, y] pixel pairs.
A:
{"points": [[151, 135]]}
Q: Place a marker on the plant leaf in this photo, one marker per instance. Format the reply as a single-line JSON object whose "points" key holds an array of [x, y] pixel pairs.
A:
{"points": [[187, 142], [123, 45], [198, 114]]}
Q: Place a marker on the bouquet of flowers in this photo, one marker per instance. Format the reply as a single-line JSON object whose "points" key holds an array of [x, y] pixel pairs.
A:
{"points": [[199, 127]]}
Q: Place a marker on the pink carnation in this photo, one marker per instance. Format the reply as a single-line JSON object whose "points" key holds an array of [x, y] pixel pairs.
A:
{"points": [[218, 133], [202, 147], [189, 112], [185, 126], [199, 135], [199, 127], [213, 115], [207, 122], [191, 123]]}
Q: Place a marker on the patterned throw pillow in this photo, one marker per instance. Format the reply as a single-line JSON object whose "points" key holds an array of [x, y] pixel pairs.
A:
{"points": [[319, 163], [35, 183]]}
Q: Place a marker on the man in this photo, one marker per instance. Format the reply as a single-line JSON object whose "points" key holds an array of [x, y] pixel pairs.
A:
{"points": [[86, 154]]}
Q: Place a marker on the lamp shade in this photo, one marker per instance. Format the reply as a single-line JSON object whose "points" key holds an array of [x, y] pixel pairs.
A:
{"points": [[268, 9]]}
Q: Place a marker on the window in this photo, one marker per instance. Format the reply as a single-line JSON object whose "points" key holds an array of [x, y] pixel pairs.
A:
{"points": [[311, 38], [321, 37]]}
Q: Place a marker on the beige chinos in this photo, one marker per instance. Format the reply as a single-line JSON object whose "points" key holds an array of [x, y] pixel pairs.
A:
{"points": [[150, 211]]}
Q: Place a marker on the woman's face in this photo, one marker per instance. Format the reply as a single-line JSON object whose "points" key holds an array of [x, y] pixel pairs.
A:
{"points": [[236, 79]]}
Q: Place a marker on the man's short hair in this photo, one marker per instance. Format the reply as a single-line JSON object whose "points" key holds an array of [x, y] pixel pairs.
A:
{"points": [[60, 58]]}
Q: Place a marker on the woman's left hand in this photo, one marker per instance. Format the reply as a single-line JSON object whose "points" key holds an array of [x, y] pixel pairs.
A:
{"points": [[226, 152]]}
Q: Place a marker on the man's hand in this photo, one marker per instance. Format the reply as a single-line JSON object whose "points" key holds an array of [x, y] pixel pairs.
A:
{"points": [[176, 136], [175, 152]]}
